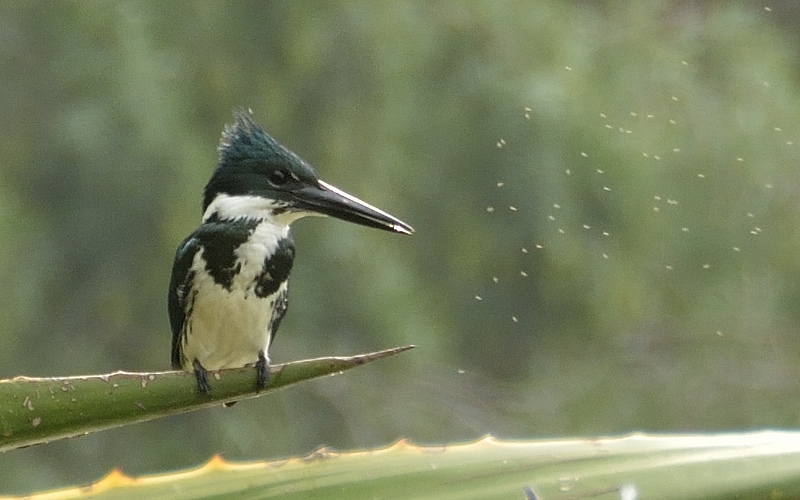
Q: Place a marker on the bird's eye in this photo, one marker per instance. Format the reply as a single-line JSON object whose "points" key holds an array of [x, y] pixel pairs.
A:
{"points": [[278, 177]]}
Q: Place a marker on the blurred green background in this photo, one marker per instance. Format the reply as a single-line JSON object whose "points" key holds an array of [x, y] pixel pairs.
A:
{"points": [[606, 197]]}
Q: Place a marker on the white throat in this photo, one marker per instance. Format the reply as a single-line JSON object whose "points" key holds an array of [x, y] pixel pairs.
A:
{"points": [[227, 207]]}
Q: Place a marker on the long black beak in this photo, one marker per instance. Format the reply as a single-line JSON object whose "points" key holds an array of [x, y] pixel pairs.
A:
{"points": [[328, 200]]}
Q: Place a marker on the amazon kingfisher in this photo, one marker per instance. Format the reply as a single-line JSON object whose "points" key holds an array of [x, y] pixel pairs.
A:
{"points": [[228, 291]]}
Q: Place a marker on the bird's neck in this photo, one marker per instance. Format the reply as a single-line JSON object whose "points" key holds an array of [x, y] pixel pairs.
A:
{"points": [[257, 225]]}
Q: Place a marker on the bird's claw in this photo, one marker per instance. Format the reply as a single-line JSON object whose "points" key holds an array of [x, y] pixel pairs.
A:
{"points": [[262, 371], [201, 374]]}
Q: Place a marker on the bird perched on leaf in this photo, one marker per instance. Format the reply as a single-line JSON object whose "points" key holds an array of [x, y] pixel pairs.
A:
{"points": [[228, 291]]}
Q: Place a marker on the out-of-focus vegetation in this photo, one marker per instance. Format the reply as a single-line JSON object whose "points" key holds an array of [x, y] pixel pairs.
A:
{"points": [[605, 196]]}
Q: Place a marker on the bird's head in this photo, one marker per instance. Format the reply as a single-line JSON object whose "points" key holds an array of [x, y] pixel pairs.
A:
{"points": [[257, 177]]}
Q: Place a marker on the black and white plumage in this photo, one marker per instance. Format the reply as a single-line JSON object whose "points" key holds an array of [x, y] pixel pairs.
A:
{"points": [[228, 291]]}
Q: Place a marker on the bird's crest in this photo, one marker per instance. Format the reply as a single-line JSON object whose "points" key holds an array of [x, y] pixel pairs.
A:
{"points": [[244, 139]]}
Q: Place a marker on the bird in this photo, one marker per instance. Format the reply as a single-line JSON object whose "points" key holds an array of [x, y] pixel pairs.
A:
{"points": [[228, 289]]}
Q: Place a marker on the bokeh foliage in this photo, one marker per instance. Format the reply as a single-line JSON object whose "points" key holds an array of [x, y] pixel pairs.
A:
{"points": [[605, 197]]}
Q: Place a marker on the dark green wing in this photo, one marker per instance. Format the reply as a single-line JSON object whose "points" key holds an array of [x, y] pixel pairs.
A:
{"points": [[179, 287]]}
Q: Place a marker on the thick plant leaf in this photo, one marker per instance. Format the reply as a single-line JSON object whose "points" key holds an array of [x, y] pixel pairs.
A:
{"points": [[38, 410], [755, 465]]}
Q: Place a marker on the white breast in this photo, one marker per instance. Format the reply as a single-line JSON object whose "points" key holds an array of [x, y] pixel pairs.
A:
{"points": [[227, 329]]}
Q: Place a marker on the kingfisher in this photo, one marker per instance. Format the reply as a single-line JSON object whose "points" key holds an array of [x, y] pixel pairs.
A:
{"points": [[228, 291]]}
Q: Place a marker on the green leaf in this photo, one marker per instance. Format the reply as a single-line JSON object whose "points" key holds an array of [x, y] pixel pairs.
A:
{"points": [[752, 465], [38, 410]]}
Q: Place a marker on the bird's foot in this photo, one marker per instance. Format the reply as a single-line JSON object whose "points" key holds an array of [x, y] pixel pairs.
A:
{"points": [[262, 371], [201, 374]]}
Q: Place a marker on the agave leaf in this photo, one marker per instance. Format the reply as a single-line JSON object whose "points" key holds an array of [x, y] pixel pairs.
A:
{"points": [[38, 410], [721, 466]]}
